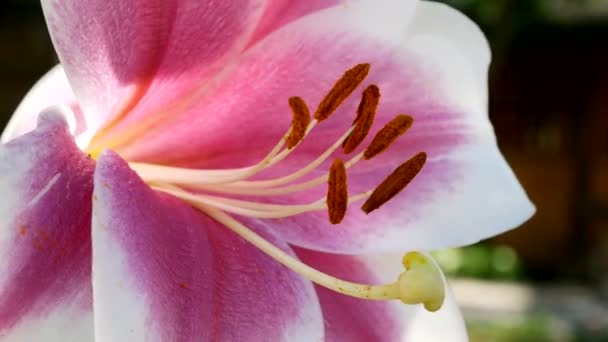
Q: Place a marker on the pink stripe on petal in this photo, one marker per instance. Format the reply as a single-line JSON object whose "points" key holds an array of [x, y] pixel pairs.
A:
{"points": [[46, 182], [165, 272]]}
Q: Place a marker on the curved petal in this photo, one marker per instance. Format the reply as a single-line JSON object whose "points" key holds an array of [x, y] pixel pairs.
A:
{"points": [[434, 70], [164, 272], [351, 319], [116, 52], [52, 89], [46, 184]]}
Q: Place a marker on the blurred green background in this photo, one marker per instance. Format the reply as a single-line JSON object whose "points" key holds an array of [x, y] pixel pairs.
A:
{"points": [[548, 280]]}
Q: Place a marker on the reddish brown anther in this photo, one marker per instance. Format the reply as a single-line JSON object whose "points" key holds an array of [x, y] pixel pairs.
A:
{"points": [[388, 134], [341, 90], [365, 118], [337, 192], [394, 183], [301, 119]]}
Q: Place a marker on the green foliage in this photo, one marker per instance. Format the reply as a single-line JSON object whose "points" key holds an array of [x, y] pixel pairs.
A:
{"points": [[480, 261], [531, 328]]}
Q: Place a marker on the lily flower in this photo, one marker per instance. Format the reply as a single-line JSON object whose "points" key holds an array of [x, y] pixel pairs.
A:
{"points": [[252, 170]]}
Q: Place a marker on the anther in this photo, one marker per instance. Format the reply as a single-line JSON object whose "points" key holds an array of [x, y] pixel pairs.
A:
{"points": [[388, 134], [341, 90], [365, 118], [301, 119], [337, 192], [394, 183]]}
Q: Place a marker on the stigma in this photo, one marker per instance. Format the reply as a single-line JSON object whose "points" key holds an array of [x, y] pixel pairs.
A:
{"points": [[216, 192]]}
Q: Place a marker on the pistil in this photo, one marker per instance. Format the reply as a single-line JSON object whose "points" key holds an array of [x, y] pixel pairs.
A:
{"points": [[420, 283]]}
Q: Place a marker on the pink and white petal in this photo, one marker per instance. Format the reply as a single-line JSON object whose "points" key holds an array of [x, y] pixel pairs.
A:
{"points": [[113, 53], [163, 271], [466, 191], [351, 319], [45, 249], [52, 89]]}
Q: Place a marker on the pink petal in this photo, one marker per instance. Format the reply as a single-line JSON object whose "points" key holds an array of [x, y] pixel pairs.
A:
{"points": [[52, 89], [114, 53], [434, 70], [45, 250], [350, 319], [165, 272]]}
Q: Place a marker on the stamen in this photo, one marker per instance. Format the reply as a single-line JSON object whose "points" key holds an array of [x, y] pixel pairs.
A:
{"points": [[394, 183], [420, 283], [388, 134], [341, 90], [301, 119], [169, 174], [365, 118], [237, 186], [337, 193]]}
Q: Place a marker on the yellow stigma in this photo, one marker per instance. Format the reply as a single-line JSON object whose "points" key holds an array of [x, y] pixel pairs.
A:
{"points": [[421, 282]]}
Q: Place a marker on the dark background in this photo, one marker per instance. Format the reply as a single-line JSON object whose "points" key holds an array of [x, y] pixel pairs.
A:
{"points": [[549, 105]]}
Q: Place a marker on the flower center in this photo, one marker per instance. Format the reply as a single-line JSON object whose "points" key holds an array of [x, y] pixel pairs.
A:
{"points": [[215, 192]]}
